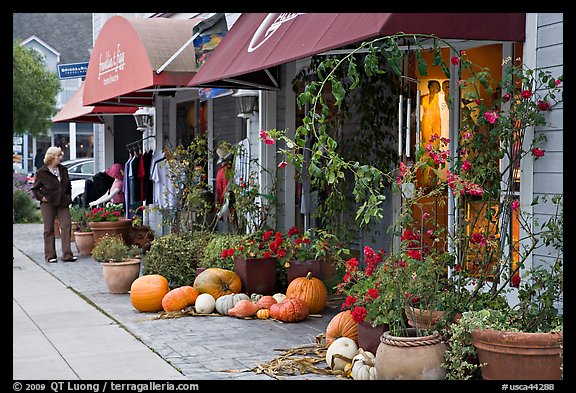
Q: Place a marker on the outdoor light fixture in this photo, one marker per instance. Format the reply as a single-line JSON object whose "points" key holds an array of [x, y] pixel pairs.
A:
{"points": [[248, 102], [144, 119]]}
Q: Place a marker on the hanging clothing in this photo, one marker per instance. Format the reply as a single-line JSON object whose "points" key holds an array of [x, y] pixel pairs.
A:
{"points": [[164, 194]]}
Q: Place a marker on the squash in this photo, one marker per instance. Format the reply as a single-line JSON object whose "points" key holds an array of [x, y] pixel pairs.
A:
{"points": [[255, 297], [147, 292], [340, 353], [244, 308], [226, 302], [341, 325], [289, 310], [217, 282], [263, 313], [204, 303], [266, 302], [178, 298], [310, 289], [363, 367], [279, 297]]}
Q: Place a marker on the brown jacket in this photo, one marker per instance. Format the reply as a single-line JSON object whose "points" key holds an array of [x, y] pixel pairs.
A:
{"points": [[46, 185]]}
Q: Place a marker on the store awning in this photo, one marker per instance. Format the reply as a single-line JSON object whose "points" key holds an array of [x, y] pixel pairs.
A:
{"points": [[75, 111], [259, 42], [133, 59]]}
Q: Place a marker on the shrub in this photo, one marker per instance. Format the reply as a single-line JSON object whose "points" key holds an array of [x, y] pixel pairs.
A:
{"points": [[23, 207], [213, 252], [176, 256]]}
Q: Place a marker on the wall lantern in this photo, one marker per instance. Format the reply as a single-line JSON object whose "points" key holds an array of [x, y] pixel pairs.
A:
{"points": [[144, 119], [248, 100]]}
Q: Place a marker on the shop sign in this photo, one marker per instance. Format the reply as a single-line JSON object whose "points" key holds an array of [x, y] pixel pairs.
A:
{"points": [[109, 64], [72, 70], [268, 27]]}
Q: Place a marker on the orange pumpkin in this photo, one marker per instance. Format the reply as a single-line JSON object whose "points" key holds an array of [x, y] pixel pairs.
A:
{"points": [[290, 310], [263, 313], [310, 289], [218, 282], [147, 292], [341, 325], [178, 298], [265, 302]]}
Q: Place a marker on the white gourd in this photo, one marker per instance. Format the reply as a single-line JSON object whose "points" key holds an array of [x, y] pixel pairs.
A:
{"points": [[363, 366], [279, 297], [205, 303], [342, 346]]}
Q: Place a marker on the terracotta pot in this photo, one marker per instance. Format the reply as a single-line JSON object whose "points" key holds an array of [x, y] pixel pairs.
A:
{"points": [[301, 269], [121, 227], [410, 358], [119, 276], [141, 236], [84, 242], [518, 355], [423, 319], [258, 275], [369, 336]]}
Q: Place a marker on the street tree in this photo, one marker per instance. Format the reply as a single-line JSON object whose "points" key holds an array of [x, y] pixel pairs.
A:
{"points": [[34, 91]]}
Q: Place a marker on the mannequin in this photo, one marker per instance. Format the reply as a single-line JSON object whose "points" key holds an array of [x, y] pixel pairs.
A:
{"points": [[116, 193]]}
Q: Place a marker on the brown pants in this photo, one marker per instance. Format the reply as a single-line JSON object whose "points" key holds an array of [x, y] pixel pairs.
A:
{"points": [[49, 214]]}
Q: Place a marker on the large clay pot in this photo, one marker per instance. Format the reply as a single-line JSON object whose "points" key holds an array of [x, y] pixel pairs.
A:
{"points": [[119, 276], [410, 358], [258, 275], [518, 355], [121, 227], [84, 242], [369, 336], [423, 319]]}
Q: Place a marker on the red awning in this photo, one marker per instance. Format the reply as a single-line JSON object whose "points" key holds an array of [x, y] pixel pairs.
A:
{"points": [[127, 55], [74, 110], [259, 42]]}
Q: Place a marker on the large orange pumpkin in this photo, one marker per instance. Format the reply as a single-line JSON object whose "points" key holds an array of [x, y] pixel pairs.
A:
{"points": [[341, 325], [147, 292], [310, 289], [290, 310], [178, 298], [218, 282]]}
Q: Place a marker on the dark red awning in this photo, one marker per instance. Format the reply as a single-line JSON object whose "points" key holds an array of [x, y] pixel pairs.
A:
{"points": [[75, 111], [127, 55], [259, 42]]}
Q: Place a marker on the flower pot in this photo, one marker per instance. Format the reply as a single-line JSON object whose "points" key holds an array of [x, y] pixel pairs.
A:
{"points": [[423, 319], [410, 358], [258, 275], [369, 336], [119, 276], [121, 227], [519, 355], [141, 236], [84, 242], [301, 269]]}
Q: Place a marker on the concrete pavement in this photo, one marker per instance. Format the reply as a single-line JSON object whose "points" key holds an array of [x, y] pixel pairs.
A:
{"points": [[67, 326]]}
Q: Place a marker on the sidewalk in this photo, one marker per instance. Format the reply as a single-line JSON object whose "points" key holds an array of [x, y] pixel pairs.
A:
{"points": [[67, 326]]}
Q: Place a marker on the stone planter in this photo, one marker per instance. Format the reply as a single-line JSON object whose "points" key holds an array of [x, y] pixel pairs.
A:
{"points": [[258, 275], [119, 276], [84, 242], [369, 336], [518, 355], [121, 227], [410, 358], [301, 269]]}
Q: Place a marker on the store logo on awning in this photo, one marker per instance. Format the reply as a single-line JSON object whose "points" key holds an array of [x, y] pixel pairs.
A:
{"points": [[110, 65], [268, 27]]}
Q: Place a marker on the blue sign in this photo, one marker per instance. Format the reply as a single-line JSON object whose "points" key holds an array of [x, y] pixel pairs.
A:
{"points": [[72, 70]]}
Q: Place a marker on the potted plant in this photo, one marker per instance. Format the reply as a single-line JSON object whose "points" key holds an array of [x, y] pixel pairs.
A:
{"points": [[83, 235], [120, 262], [109, 220], [140, 235]]}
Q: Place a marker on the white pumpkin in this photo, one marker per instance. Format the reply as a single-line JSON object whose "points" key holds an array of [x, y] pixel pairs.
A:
{"points": [[363, 366], [205, 303], [343, 347], [279, 297]]}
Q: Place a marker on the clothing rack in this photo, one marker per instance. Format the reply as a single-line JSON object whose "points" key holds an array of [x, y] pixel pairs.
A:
{"points": [[138, 142]]}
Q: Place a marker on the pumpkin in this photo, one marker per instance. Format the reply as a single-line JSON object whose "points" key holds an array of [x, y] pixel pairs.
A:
{"points": [[310, 289], [279, 297], [289, 310], [363, 366], [147, 292], [226, 302], [341, 353], [204, 303], [341, 325], [263, 313], [217, 282], [266, 301], [244, 308], [178, 298]]}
